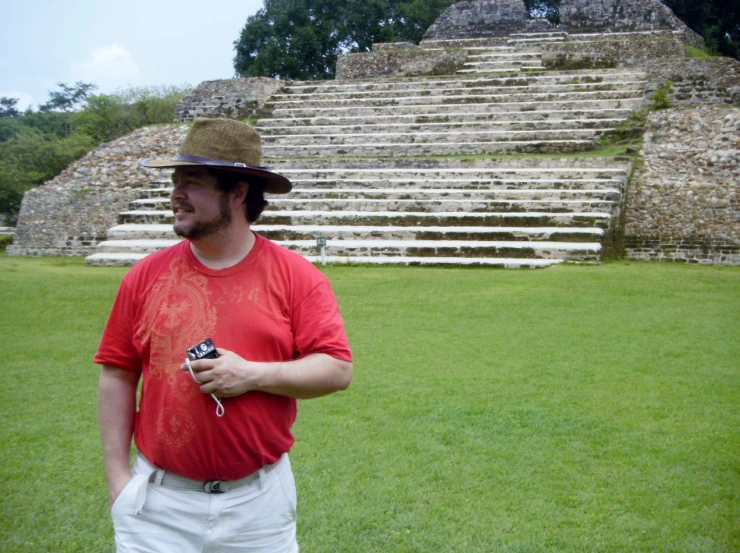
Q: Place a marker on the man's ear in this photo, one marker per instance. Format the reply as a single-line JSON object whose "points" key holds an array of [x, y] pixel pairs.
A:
{"points": [[240, 192]]}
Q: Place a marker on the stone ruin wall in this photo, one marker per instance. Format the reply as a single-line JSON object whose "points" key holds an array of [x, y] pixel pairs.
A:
{"points": [[71, 214], [485, 18], [616, 15], [684, 204], [400, 60], [479, 18], [230, 98], [697, 81]]}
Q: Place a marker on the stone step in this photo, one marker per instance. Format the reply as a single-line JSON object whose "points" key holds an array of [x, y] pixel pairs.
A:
{"points": [[444, 205], [505, 55], [535, 39], [400, 206], [395, 218], [576, 251], [390, 149], [616, 36], [487, 175], [498, 188], [572, 251], [439, 261], [489, 188], [467, 43], [145, 245], [595, 219], [427, 137], [545, 78], [114, 259], [128, 259], [500, 65], [633, 86], [121, 235], [608, 194], [489, 125], [535, 34], [453, 118], [162, 203], [506, 97], [481, 107], [489, 234]]}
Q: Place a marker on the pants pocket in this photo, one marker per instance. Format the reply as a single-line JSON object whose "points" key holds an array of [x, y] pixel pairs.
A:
{"points": [[287, 483], [125, 503]]}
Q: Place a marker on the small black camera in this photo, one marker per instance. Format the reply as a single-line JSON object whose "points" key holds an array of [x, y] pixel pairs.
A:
{"points": [[204, 350]]}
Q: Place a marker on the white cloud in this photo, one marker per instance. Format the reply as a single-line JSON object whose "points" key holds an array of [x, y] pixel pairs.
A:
{"points": [[24, 100], [109, 63]]}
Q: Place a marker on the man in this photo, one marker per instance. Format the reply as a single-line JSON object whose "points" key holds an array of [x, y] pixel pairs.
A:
{"points": [[214, 475]]}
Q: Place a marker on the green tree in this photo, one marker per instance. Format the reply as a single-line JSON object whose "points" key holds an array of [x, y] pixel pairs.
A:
{"points": [[547, 9], [105, 117], [717, 21], [29, 159], [37, 145], [301, 39], [66, 99], [8, 107]]}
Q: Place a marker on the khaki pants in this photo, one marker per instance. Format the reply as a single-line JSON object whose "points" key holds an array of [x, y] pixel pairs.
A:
{"points": [[152, 515]]}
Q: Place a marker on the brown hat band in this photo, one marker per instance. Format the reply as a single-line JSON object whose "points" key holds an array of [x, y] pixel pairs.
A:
{"points": [[214, 162]]}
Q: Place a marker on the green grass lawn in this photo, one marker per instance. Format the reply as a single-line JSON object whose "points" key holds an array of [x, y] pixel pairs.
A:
{"points": [[573, 409]]}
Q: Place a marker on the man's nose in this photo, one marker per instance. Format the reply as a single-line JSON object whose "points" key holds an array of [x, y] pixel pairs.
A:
{"points": [[178, 190]]}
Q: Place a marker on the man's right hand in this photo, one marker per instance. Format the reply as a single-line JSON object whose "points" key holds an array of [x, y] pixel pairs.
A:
{"points": [[116, 485]]}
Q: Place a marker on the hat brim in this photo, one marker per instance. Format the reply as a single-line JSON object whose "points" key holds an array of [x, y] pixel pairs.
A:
{"points": [[274, 183]]}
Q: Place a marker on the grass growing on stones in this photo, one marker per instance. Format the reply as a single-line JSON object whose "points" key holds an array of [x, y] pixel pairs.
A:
{"points": [[573, 409]]}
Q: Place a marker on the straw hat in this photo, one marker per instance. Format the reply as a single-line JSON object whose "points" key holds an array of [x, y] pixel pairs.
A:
{"points": [[226, 145]]}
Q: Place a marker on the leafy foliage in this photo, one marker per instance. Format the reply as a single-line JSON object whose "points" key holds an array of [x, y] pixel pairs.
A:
{"points": [[8, 107], [302, 39], [717, 21], [662, 97], [37, 145], [547, 9], [30, 158]]}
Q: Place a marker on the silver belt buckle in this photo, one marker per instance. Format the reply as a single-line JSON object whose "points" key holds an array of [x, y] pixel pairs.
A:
{"points": [[213, 486]]}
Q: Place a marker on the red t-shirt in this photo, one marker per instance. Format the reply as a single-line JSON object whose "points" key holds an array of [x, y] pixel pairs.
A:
{"points": [[272, 306]]}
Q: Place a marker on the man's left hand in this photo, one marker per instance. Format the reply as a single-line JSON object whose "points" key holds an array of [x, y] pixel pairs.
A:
{"points": [[228, 375]]}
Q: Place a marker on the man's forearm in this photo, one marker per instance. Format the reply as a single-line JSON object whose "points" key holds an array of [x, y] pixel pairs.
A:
{"points": [[116, 411], [312, 376]]}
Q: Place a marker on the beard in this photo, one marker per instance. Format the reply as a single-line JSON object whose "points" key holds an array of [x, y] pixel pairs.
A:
{"points": [[204, 229]]}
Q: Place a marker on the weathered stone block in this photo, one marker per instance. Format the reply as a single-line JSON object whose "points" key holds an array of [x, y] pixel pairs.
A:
{"points": [[479, 18], [400, 63], [229, 98]]}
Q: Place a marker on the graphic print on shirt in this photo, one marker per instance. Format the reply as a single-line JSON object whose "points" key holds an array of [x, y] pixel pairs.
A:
{"points": [[177, 314]]}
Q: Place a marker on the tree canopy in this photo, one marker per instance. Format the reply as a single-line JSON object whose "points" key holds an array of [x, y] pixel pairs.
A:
{"points": [[302, 39], [717, 21]]}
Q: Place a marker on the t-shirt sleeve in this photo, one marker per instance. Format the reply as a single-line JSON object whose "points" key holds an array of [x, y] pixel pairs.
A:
{"points": [[318, 326], [117, 347]]}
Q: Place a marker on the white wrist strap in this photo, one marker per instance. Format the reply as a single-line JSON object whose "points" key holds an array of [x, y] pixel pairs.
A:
{"points": [[220, 408]]}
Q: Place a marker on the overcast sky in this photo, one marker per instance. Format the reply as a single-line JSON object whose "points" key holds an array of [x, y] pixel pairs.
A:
{"points": [[116, 44]]}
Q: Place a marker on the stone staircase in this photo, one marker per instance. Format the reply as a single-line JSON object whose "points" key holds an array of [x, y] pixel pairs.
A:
{"points": [[482, 114], [528, 39], [360, 156], [501, 59], [511, 213]]}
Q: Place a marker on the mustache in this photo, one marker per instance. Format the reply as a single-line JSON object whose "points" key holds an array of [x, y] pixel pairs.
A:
{"points": [[181, 205]]}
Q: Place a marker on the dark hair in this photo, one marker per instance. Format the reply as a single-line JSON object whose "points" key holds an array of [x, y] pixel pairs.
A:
{"points": [[227, 182]]}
